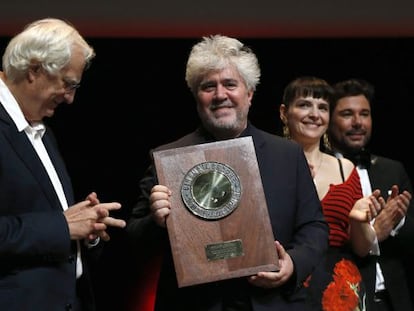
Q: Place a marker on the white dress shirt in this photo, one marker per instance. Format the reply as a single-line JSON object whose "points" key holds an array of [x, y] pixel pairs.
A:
{"points": [[375, 249]]}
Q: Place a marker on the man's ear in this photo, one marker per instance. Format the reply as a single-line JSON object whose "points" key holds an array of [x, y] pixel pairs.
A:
{"points": [[250, 96], [33, 72]]}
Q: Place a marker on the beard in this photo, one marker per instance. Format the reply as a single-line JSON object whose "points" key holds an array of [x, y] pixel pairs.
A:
{"points": [[226, 127]]}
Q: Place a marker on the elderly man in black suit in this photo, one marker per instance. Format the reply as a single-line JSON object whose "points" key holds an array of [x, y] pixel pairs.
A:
{"points": [[46, 239]]}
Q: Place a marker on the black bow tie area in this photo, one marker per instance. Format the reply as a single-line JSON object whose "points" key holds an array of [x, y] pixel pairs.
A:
{"points": [[361, 159]]}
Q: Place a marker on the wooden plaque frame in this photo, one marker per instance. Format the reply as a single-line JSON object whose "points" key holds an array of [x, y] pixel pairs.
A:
{"points": [[248, 225]]}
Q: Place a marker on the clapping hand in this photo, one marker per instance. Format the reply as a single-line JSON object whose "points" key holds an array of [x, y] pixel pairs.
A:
{"points": [[90, 218], [367, 208], [395, 209]]}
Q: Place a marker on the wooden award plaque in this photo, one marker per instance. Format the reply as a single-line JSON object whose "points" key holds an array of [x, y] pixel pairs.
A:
{"points": [[219, 226]]}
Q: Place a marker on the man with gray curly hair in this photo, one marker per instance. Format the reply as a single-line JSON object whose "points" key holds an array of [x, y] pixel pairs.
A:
{"points": [[46, 238], [222, 74], [223, 56]]}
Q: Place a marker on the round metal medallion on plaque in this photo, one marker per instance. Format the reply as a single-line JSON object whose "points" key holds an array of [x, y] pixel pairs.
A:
{"points": [[211, 190]]}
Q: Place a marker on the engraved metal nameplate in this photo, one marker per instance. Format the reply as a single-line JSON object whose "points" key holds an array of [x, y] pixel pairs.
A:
{"points": [[224, 250]]}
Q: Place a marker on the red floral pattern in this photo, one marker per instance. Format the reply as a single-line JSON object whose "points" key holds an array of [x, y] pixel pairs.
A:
{"points": [[342, 294]]}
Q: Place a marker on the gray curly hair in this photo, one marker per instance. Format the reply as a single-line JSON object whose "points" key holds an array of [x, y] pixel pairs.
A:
{"points": [[217, 52]]}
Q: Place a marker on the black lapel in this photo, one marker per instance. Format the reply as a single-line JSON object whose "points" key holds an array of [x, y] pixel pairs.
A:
{"points": [[25, 151]]}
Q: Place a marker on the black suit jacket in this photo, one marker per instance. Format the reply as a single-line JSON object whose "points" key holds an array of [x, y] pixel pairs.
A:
{"points": [[37, 257], [296, 218], [383, 173]]}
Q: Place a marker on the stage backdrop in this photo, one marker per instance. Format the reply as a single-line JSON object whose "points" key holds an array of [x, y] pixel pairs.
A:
{"points": [[242, 18]]}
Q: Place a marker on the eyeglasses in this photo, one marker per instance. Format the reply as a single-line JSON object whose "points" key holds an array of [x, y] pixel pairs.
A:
{"points": [[69, 85]]}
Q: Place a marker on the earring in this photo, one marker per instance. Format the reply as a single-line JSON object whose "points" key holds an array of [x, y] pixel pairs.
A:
{"points": [[326, 142], [286, 132]]}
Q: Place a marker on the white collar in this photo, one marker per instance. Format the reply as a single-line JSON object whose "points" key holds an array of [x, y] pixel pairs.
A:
{"points": [[12, 107]]}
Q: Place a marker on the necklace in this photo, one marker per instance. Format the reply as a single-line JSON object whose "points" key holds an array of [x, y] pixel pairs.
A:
{"points": [[316, 170]]}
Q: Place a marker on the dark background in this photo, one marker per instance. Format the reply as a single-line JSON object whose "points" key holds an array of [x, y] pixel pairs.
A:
{"points": [[134, 97]]}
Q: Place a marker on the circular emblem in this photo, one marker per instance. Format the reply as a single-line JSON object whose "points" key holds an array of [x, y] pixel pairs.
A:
{"points": [[211, 190]]}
